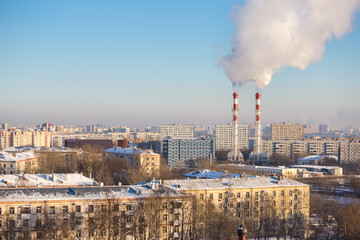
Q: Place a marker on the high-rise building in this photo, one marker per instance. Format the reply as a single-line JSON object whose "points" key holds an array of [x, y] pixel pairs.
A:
{"points": [[177, 130], [323, 128], [224, 136], [180, 150], [287, 131], [350, 151]]}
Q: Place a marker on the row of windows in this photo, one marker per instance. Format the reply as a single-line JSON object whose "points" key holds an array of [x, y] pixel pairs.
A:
{"points": [[247, 194]]}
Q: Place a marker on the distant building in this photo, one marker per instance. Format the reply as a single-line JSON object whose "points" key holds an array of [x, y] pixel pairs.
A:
{"points": [[208, 174], [147, 160], [311, 128], [287, 131], [268, 171], [180, 150], [17, 160], [315, 159], [321, 170], [350, 151], [176, 131], [323, 128], [224, 136], [25, 180], [101, 143]]}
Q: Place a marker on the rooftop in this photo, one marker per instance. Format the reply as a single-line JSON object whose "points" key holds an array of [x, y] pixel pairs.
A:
{"points": [[317, 167], [208, 174], [232, 183], [46, 180], [86, 193], [129, 151]]}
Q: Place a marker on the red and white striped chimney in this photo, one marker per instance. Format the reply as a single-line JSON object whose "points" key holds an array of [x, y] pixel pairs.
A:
{"points": [[235, 126], [257, 143]]}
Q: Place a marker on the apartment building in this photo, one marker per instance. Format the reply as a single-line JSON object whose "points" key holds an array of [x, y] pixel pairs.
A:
{"points": [[177, 130], [147, 211], [180, 150], [19, 138], [287, 131], [12, 162], [224, 136], [350, 151], [147, 160], [253, 198], [301, 148]]}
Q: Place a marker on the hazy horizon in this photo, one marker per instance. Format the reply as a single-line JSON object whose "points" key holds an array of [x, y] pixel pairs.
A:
{"points": [[154, 62]]}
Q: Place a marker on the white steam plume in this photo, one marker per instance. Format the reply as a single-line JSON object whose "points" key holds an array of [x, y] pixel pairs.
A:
{"points": [[273, 34]]}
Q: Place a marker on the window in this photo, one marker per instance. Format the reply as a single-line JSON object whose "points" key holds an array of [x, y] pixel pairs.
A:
{"points": [[12, 223], [220, 205], [103, 208], [290, 193], [65, 209], [238, 195], [91, 221], [176, 217], [116, 207], [211, 196], [282, 193], [256, 194], [78, 221], [238, 205], [38, 222], [26, 223], [91, 208], [128, 207], [165, 205], [282, 202], [52, 222], [202, 196], [256, 204], [12, 210], [38, 209], [178, 205], [290, 202], [220, 196], [247, 195], [65, 221], [52, 210], [274, 193], [274, 203], [164, 217], [0, 211], [78, 208], [25, 210], [91, 233], [0, 223], [290, 212], [164, 230]]}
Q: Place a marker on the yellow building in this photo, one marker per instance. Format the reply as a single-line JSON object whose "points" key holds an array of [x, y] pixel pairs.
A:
{"points": [[287, 131], [147, 160], [122, 212], [281, 201]]}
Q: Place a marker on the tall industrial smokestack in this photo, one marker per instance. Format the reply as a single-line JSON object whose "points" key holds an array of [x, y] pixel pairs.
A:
{"points": [[235, 127], [257, 143]]}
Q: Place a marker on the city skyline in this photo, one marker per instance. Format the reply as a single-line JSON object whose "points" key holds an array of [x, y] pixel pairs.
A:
{"points": [[151, 63]]}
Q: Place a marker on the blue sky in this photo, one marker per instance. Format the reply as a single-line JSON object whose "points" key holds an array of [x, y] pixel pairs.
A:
{"points": [[146, 62]]}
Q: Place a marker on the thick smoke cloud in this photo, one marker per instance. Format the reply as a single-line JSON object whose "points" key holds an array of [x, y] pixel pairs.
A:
{"points": [[273, 34]]}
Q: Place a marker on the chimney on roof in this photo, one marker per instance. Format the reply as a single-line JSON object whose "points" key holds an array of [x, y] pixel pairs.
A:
{"points": [[47, 177], [53, 177]]}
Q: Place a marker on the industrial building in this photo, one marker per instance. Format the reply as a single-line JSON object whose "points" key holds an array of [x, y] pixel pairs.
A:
{"points": [[180, 150]]}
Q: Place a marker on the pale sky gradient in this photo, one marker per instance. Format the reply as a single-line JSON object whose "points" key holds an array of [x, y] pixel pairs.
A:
{"points": [[144, 62]]}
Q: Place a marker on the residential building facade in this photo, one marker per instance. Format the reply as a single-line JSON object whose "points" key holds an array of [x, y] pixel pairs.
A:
{"points": [[224, 136], [287, 131]]}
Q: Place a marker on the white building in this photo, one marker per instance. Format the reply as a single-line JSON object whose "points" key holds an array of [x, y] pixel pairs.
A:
{"points": [[224, 136], [176, 130]]}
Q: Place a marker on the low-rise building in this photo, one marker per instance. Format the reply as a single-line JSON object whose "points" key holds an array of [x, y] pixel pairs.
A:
{"points": [[315, 159], [323, 170], [121, 212], [25, 180], [268, 171], [147, 160], [16, 162], [208, 174]]}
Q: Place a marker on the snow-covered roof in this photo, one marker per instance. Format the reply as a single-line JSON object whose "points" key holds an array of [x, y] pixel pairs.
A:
{"points": [[8, 157], [315, 167], [86, 193], [129, 151], [232, 183], [208, 174], [46, 180], [317, 157]]}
